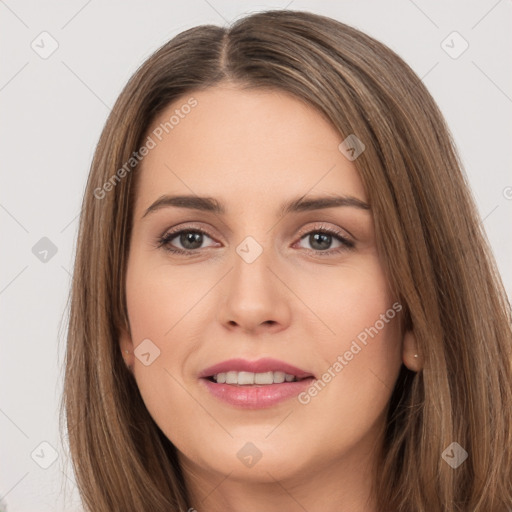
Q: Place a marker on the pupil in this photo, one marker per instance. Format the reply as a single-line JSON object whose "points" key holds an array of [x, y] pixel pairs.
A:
{"points": [[319, 238], [191, 237]]}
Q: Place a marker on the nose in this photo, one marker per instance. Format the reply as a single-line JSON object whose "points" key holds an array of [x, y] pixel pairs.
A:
{"points": [[254, 298]]}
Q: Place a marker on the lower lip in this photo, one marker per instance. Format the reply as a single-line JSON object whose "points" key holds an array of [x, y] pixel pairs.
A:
{"points": [[258, 396]]}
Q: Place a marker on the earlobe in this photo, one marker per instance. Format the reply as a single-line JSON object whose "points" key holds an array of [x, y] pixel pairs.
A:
{"points": [[410, 354]]}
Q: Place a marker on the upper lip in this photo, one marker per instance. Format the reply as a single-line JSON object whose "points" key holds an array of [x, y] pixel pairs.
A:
{"points": [[259, 366]]}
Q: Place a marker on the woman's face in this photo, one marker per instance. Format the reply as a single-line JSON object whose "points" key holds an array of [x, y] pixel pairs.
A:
{"points": [[258, 283]]}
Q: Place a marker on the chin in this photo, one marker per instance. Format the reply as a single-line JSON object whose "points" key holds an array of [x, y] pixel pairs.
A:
{"points": [[254, 461]]}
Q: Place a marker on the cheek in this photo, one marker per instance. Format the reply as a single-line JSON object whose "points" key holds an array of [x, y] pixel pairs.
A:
{"points": [[157, 303], [160, 298], [361, 350], [349, 301], [352, 394]]}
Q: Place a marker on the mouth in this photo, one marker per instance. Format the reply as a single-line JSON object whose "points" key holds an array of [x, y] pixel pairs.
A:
{"points": [[254, 384]]}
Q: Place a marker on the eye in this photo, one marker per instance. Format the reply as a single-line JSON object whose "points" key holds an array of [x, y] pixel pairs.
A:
{"points": [[189, 239], [321, 240]]}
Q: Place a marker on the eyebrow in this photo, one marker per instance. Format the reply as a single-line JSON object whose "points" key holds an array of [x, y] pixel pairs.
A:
{"points": [[209, 204]]}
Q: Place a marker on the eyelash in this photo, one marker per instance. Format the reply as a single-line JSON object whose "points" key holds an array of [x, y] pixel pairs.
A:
{"points": [[164, 241]]}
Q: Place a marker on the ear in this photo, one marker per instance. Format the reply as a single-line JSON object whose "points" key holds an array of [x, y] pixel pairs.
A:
{"points": [[410, 354], [126, 346]]}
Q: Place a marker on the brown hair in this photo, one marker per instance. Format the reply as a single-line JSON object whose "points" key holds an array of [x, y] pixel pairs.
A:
{"points": [[429, 236]]}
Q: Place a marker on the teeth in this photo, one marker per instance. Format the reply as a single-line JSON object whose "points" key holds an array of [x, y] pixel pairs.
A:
{"points": [[279, 377], [264, 378], [245, 378], [249, 378], [231, 378]]}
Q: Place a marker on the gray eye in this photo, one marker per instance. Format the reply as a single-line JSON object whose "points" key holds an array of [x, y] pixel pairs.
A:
{"points": [[320, 241]]}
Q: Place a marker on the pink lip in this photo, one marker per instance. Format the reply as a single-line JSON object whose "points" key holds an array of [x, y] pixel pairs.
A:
{"points": [[260, 366], [256, 396]]}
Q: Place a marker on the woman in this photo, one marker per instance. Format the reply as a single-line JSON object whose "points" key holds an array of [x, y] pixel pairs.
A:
{"points": [[282, 295]]}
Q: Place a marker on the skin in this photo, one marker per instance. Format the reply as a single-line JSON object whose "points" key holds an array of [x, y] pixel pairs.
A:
{"points": [[253, 150]]}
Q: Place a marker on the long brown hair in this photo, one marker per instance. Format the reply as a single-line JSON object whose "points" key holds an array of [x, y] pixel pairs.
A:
{"points": [[429, 236]]}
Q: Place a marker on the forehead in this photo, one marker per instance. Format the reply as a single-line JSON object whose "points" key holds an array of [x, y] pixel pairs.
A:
{"points": [[241, 145]]}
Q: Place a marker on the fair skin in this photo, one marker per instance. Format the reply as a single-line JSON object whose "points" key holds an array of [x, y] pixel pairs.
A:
{"points": [[252, 151]]}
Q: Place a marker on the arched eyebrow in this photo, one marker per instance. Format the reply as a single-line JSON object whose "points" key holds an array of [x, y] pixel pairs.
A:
{"points": [[321, 202], [300, 204]]}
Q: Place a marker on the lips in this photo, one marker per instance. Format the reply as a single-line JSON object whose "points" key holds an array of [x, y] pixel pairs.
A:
{"points": [[228, 382]]}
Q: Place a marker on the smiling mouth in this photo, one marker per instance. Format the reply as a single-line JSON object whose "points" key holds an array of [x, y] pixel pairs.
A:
{"points": [[236, 378], [255, 385]]}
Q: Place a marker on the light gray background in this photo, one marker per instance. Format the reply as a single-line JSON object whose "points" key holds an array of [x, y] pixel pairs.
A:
{"points": [[52, 113]]}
